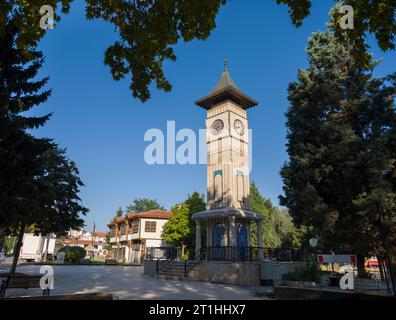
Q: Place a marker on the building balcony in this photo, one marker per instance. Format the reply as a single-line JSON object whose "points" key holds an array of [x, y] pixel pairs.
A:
{"points": [[113, 239], [123, 237], [134, 236]]}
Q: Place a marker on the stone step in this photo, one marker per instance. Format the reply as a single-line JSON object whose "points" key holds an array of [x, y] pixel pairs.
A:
{"points": [[174, 277], [174, 268], [171, 277], [172, 273]]}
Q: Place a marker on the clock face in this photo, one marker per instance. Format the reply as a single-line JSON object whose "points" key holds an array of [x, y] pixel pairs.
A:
{"points": [[217, 127], [239, 128]]}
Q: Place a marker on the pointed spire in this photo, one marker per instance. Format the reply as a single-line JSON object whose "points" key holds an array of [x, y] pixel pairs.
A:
{"points": [[225, 80], [226, 89]]}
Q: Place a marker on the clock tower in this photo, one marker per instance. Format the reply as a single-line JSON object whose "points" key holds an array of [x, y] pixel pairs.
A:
{"points": [[228, 217]]}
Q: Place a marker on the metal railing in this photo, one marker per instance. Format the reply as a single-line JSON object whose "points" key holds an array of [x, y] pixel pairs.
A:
{"points": [[162, 255], [165, 255], [192, 263], [240, 253]]}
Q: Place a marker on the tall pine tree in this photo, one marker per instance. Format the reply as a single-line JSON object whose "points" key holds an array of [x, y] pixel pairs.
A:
{"points": [[38, 185], [341, 138]]}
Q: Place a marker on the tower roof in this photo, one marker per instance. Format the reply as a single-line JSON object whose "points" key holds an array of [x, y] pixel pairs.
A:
{"points": [[226, 89]]}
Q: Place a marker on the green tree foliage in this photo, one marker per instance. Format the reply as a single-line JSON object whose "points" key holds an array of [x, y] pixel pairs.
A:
{"points": [[370, 17], [73, 254], [107, 245], [196, 203], [25, 16], [147, 32], [278, 227], [340, 179], [39, 185], [143, 205], [260, 205], [310, 272], [119, 212], [9, 244], [179, 231]]}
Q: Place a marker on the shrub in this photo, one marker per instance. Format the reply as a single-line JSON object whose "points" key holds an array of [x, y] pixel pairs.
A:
{"points": [[73, 254], [185, 257], [310, 272]]}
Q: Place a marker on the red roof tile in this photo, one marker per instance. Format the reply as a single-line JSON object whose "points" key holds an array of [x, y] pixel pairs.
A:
{"points": [[120, 219], [78, 241], [153, 214], [100, 234]]}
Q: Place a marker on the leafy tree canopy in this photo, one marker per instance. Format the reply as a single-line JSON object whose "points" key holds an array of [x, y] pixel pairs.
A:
{"points": [[278, 227], [143, 205], [376, 17], [119, 212], [179, 231], [147, 32]]}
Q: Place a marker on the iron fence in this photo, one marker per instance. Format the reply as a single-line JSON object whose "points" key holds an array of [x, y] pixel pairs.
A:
{"points": [[228, 253], [238, 253]]}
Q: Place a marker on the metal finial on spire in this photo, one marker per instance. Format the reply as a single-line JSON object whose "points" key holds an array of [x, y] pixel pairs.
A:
{"points": [[225, 64]]}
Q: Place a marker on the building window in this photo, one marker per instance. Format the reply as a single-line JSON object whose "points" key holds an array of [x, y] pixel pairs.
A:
{"points": [[220, 150], [218, 187], [136, 246], [123, 229], [240, 186], [135, 226], [150, 226]]}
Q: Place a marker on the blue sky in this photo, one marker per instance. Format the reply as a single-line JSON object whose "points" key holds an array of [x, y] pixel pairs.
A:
{"points": [[102, 125]]}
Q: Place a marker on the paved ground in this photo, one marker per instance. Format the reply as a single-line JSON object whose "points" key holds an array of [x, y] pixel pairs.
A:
{"points": [[130, 283]]}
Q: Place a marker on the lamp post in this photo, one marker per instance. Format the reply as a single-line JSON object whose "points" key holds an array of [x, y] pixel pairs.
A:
{"points": [[313, 242]]}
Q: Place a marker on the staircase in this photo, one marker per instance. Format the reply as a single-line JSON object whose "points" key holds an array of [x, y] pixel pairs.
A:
{"points": [[174, 270]]}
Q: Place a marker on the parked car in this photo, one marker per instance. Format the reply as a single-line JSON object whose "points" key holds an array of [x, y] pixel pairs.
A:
{"points": [[2, 257]]}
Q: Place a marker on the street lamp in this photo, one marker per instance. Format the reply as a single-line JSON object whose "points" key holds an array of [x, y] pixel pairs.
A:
{"points": [[313, 242]]}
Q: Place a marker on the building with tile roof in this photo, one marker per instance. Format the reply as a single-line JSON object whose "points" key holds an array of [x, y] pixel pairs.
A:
{"points": [[132, 235]]}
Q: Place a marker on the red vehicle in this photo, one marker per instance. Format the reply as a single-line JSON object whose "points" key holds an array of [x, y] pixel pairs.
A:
{"points": [[372, 262]]}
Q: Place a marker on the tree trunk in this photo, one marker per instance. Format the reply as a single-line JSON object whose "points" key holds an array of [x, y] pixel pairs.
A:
{"points": [[360, 266], [381, 268], [18, 247], [391, 262]]}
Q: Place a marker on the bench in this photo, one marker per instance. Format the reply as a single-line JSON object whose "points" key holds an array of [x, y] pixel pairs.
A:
{"points": [[21, 281]]}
